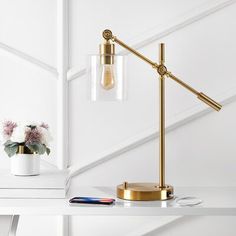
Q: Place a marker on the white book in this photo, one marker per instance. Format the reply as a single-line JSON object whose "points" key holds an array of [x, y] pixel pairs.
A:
{"points": [[51, 183]]}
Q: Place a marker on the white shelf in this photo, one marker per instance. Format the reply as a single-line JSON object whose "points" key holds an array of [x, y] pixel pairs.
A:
{"points": [[51, 183], [216, 201]]}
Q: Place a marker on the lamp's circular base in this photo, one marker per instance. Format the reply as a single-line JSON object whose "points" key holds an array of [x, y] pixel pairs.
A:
{"points": [[144, 192]]}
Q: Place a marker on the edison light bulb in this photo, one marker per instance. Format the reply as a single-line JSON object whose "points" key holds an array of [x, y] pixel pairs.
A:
{"points": [[108, 79]]}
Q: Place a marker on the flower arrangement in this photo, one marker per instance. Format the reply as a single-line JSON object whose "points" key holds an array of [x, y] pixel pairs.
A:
{"points": [[34, 137]]}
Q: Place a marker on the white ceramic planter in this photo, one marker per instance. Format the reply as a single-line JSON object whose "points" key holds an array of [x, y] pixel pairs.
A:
{"points": [[25, 164]]}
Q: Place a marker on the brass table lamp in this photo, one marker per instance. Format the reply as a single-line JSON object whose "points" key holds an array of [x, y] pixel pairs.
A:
{"points": [[109, 82]]}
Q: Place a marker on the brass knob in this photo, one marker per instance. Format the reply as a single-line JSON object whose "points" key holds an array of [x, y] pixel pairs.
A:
{"points": [[107, 34], [125, 184]]}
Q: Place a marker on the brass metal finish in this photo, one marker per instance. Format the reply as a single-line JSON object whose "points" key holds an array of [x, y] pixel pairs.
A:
{"points": [[162, 121], [107, 52], [153, 191], [144, 192], [162, 53], [162, 132], [24, 150], [107, 34], [182, 83], [203, 97], [161, 70], [153, 64], [21, 149], [209, 101]]}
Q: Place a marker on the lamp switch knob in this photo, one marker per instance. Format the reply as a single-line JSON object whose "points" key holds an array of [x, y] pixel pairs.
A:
{"points": [[125, 184]]}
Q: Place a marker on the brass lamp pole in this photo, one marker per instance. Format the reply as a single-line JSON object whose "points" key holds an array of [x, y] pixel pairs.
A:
{"points": [[148, 191]]}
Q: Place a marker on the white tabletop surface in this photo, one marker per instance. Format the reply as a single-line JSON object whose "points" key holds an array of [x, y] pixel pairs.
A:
{"points": [[215, 201]]}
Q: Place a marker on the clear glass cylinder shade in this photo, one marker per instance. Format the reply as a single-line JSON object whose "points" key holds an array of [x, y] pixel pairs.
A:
{"points": [[107, 81]]}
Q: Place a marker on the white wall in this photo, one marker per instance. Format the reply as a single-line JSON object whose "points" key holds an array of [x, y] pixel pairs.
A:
{"points": [[201, 53], [209, 162], [202, 67], [27, 92]]}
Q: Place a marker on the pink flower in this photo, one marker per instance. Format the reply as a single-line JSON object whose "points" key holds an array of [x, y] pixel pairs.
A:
{"points": [[33, 135], [8, 127], [44, 125]]}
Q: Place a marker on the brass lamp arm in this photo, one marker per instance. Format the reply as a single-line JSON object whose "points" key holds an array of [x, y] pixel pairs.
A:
{"points": [[162, 70], [122, 44], [203, 97]]}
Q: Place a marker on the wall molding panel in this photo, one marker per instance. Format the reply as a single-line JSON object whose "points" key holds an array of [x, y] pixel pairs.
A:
{"points": [[161, 31], [62, 83], [62, 100], [150, 36], [74, 74], [150, 134], [63, 225], [28, 59]]}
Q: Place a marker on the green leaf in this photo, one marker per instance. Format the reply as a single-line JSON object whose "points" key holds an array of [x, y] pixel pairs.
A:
{"points": [[13, 145], [42, 149], [37, 147], [32, 147], [48, 150], [11, 151], [9, 143]]}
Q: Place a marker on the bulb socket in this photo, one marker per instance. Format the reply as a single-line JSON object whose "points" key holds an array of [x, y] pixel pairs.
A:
{"points": [[107, 52]]}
